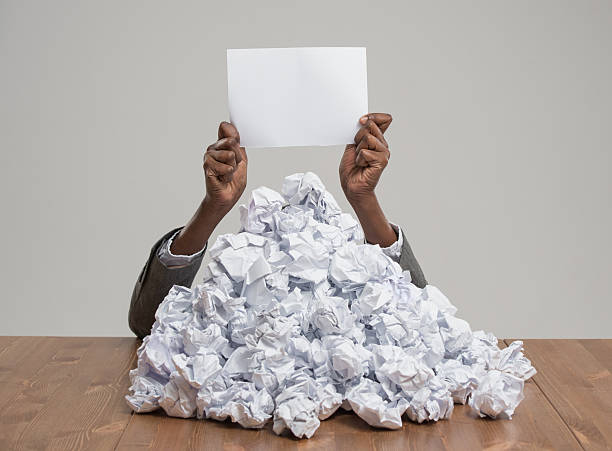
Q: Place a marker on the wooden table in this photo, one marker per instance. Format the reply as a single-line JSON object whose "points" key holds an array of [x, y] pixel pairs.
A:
{"points": [[67, 393]]}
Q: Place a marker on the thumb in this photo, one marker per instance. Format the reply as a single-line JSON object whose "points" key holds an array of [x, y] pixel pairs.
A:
{"points": [[228, 130]]}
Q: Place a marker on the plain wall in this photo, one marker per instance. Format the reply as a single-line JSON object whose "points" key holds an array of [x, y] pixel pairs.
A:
{"points": [[501, 147]]}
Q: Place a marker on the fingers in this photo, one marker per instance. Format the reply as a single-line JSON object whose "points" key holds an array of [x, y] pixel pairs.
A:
{"points": [[228, 130], [222, 158], [229, 144], [372, 148], [371, 128], [371, 142], [371, 158], [243, 154], [383, 120], [371, 152], [224, 172]]}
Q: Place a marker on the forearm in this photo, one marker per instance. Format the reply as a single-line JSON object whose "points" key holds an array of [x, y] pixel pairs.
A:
{"points": [[194, 236], [376, 228]]}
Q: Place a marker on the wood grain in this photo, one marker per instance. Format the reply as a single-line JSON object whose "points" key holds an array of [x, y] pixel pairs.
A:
{"points": [[72, 398], [576, 377], [19, 360], [5, 342], [37, 388], [536, 425], [67, 393]]}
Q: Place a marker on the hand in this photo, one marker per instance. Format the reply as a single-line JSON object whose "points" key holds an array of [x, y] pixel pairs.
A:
{"points": [[225, 169], [363, 162], [361, 166]]}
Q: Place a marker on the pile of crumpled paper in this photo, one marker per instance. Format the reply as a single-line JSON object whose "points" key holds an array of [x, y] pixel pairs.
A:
{"points": [[296, 317]]}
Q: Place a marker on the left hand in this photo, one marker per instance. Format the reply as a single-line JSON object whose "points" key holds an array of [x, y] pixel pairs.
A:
{"points": [[364, 161]]}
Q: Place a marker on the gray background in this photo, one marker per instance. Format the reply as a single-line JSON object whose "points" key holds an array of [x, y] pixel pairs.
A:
{"points": [[500, 145]]}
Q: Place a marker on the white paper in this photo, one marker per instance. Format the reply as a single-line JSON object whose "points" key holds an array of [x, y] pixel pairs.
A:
{"points": [[311, 96], [296, 317]]}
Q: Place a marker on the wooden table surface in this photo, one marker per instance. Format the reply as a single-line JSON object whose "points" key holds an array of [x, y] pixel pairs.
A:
{"points": [[67, 393]]}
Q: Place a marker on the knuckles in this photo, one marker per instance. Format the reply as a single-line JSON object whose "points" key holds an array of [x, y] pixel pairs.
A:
{"points": [[212, 166], [231, 141], [224, 144], [371, 140]]}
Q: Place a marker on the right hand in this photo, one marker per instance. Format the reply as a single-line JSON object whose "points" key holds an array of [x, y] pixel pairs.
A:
{"points": [[225, 168]]}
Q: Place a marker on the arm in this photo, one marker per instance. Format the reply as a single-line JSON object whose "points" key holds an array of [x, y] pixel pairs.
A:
{"points": [[361, 167], [153, 284], [225, 169]]}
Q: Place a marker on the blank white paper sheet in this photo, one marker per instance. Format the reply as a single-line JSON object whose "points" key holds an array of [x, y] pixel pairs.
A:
{"points": [[311, 96]]}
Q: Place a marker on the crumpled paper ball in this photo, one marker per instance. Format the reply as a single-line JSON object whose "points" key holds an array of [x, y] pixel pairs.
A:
{"points": [[296, 317]]}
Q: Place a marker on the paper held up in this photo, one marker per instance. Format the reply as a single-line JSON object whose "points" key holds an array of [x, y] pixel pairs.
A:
{"points": [[311, 96]]}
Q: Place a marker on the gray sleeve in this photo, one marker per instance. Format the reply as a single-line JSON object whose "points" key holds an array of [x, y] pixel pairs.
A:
{"points": [[408, 262], [153, 284]]}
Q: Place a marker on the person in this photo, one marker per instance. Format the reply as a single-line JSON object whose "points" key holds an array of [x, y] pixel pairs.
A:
{"points": [[176, 257]]}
